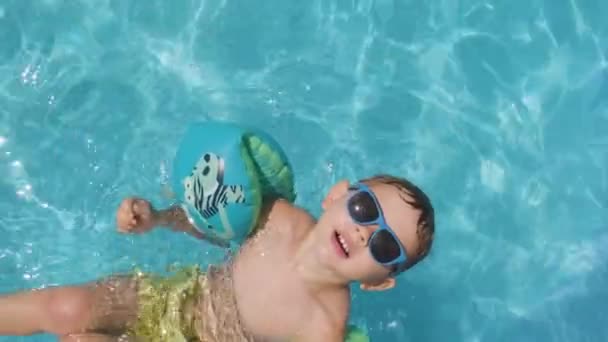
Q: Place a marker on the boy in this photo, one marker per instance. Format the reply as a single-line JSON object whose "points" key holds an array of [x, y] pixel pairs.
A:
{"points": [[289, 281]]}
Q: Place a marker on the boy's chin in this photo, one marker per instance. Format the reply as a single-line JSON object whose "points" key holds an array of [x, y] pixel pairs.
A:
{"points": [[342, 275]]}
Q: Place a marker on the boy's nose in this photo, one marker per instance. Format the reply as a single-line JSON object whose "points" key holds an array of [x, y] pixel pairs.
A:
{"points": [[363, 234]]}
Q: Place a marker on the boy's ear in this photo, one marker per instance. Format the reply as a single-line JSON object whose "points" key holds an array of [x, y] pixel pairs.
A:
{"points": [[336, 191], [387, 284]]}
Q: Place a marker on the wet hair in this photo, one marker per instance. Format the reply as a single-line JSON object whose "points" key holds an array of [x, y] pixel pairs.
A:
{"points": [[417, 199]]}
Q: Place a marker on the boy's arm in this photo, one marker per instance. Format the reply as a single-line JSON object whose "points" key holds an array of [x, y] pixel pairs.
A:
{"points": [[136, 215], [273, 209], [175, 218]]}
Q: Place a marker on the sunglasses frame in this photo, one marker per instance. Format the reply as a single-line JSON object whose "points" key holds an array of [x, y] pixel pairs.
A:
{"points": [[380, 222]]}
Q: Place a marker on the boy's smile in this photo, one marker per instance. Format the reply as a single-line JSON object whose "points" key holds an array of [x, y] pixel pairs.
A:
{"points": [[341, 244]]}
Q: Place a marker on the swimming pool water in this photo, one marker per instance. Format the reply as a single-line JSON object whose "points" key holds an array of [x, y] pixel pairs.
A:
{"points": [[498, 109]]}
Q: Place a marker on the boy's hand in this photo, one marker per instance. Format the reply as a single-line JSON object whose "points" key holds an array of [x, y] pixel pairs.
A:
{"points": [[135, 215]]}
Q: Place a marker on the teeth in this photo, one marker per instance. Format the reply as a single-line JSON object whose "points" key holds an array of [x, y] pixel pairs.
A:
{"points": [[343, 243]]}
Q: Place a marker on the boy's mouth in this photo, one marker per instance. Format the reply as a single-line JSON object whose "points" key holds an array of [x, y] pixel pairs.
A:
{"points": [[340, 245]]}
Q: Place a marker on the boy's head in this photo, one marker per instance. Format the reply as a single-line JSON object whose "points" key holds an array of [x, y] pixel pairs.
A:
{"points": [[375, 229]]}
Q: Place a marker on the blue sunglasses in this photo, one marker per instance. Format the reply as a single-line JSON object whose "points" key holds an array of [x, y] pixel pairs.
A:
{"points": [[365, 210]]}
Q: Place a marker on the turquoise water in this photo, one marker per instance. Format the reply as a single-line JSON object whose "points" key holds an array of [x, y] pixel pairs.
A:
{"points": [[499, 109]]}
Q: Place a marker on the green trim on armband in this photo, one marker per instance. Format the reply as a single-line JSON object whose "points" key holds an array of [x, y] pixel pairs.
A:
{"points": [[255, 186], [356, 334]]}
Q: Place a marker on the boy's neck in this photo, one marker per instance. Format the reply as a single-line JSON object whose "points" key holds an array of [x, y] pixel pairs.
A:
{"points": [[309, 268]]}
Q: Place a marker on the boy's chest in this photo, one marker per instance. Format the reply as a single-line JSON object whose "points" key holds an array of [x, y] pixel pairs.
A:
{"points": [[273, 309], [272, 303]]}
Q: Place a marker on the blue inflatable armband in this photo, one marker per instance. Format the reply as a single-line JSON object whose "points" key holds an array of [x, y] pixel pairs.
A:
{"points": [[221, 174]]}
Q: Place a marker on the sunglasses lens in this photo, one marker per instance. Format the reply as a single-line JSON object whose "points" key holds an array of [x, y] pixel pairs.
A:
{"points": [[362, 208], [384, 247]]}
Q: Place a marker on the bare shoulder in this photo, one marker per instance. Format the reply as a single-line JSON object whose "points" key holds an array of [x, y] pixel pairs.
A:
{"points": [[284, 208], [326, 327], [329, 320], [284, 215]]}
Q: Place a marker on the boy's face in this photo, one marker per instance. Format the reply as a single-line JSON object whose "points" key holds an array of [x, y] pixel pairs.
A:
{"points": [[344, 245]]}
